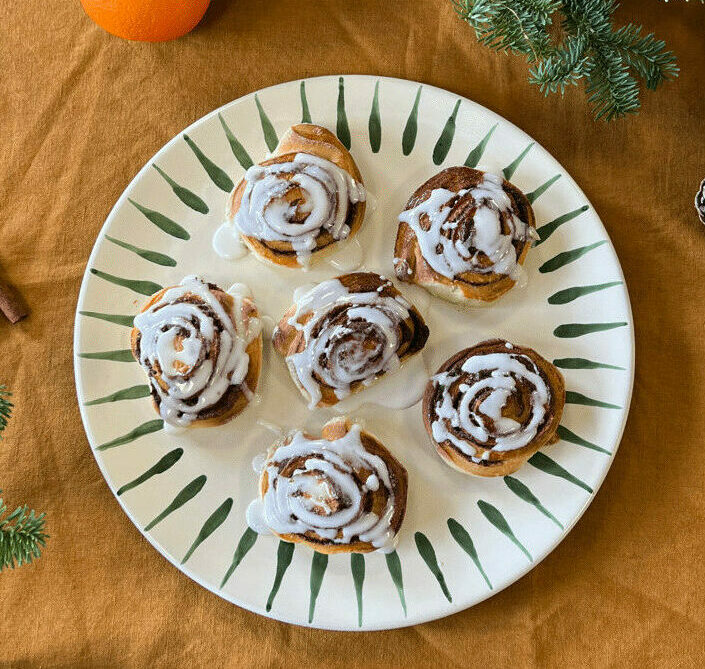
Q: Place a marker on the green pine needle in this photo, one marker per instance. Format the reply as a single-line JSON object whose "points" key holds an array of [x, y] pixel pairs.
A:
{"points": [[21, 536], [5, 408], [568, 41]]}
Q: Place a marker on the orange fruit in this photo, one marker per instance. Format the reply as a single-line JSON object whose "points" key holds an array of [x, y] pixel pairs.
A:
{"points": [[146, 20]]}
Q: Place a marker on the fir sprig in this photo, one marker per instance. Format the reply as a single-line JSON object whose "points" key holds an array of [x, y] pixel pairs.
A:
{"points": [[22, 533], [21, 536], [5, 408], [568, 41]]}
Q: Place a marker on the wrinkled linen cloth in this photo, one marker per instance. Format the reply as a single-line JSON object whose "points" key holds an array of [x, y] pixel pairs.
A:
{"points": [[80, 113]]}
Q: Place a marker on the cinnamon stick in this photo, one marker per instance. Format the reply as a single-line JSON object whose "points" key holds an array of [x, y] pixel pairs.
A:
{"points": [[11, 304]]}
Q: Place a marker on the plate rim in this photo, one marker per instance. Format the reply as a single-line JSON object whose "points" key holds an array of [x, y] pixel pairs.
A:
{"points": [[410, 619]]}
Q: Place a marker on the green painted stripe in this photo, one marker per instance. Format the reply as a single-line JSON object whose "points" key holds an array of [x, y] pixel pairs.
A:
{"points": [[165, 463], [582, 363], [570, 294], [549, 466], [164, 223], [214, 521], [123, 355], [440, 151], [566, 435], [141, 287], [319, 563], [394, 567], [238, 149], [357, 567], [571, 330], [152, 256], [461, 535], [475, 156], [566, 257], [375, 123], [408, 138], [305, 113], [270, 134], [189, 198], [132, 393], [428, 554], [572, 397], [217, 175], [523, 492], [141, 430], [127, 321], [545, 231], [494, 515], [537, 193], [509, 170], [342, 128], [284, 554], [186, 494], [247, 541]]}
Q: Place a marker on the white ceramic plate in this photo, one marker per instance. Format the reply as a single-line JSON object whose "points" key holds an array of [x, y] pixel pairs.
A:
{"points": [[187, 493]]}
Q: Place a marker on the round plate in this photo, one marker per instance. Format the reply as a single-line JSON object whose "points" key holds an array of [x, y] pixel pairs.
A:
{"points": [[463, 538]]}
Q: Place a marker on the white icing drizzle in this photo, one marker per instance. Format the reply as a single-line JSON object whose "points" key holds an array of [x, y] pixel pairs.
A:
{"points": [[327, 193], [323, 495], [482, 420], [177, 339], [359, 346], [451, 255]]}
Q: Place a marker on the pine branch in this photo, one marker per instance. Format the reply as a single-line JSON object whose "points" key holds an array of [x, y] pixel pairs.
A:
{"points": [[647, 55], [568, 41], [22, 533], [564, 67], [5, 408], [511, 25], [21, 536]]}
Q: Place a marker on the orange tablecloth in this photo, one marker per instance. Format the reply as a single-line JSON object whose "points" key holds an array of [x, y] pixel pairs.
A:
{"points": [[81, 112]]}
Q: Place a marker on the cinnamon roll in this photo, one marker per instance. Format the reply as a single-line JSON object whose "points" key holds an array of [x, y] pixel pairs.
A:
{"points": [[305, 198], [490, 407], [344, 492], [202, 351], [344, 333], [464, 236]]}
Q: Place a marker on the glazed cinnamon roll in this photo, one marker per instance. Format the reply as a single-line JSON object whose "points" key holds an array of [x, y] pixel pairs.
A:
{"points": [[202, 351], [305, 198], [344, 492], [464, 235], [344, 333], [490, 407]]}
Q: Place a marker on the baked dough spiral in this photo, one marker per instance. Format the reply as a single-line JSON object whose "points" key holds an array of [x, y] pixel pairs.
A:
{"points": [[490, 407], [305, 198], [202, 351], [344, 492], [464, 235], [346, 332]]}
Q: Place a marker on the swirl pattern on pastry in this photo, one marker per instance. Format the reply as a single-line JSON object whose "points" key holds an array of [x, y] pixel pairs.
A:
{"points": [[464, 233], [201, 348], [344, 333], [344, 492], [492, 406], [305, 198]]}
